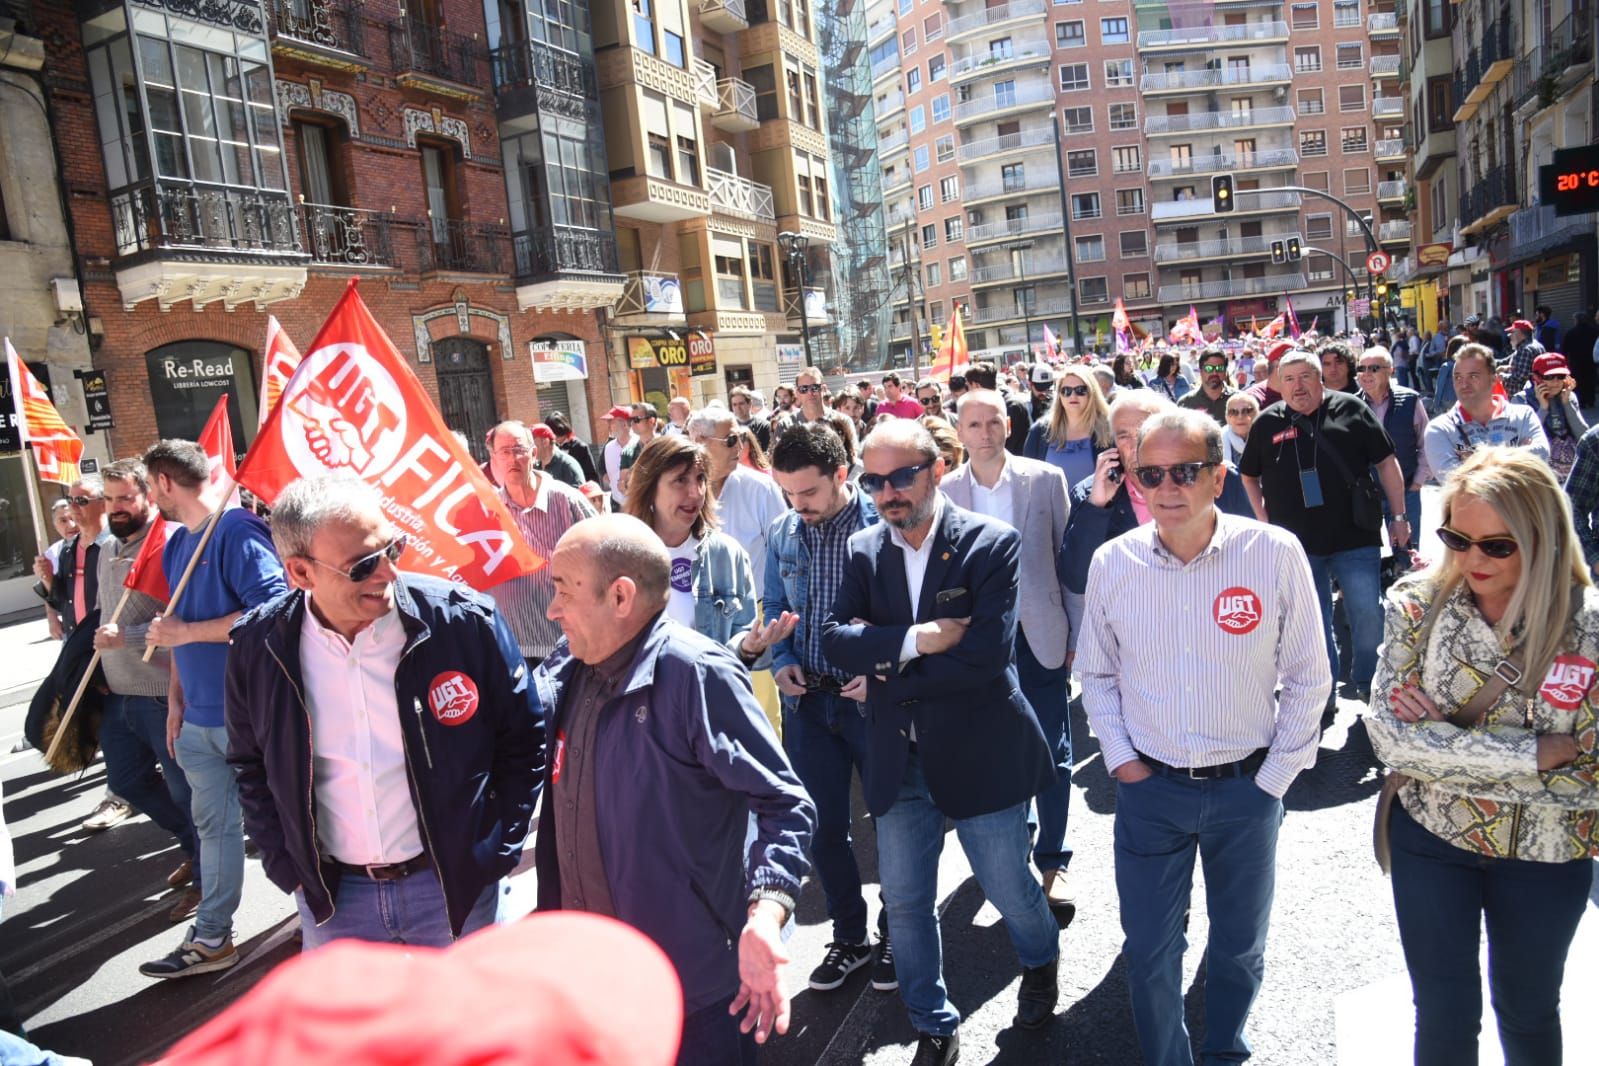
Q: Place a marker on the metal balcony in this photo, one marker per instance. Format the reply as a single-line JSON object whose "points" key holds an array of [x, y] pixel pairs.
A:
{"points": [[1033, 94], [1546, 71], [1037, 268], [1535, 230], [1249, 202], [1015, 227], [433, 60], [347, 236], [735, 111], [1013, 312], [1227, 289], [1202, 36], [539, 75], [568, 268], [1388, 107], [1217, 77], [1037, 181], [1383, 24], [885, 66], [1489, 201], [326, 33], [739, 197], [995, 16], [705, 85], [893, 143], [1385, 66], [980, 65], [650, 298], [723, 16], [1218, 249], [1223, 163], [1218, 120], [972, 151], [1389, 148], [1391, 190], [1392, 232], [893, 183], [456, 246], [888, 105]]}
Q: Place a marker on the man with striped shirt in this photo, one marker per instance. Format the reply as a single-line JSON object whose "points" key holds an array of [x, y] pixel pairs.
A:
{"points": [[1190, 726], [543, 509]]}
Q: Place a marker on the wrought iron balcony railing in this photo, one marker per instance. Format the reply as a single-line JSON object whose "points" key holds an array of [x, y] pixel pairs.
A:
{"points": [[197, 216], [562, 250], [536, 65], [457, 246], [347, 236], [418, 48], [333, 24]]}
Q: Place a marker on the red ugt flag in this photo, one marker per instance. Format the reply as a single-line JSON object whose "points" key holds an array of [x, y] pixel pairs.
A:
{"points": [[353, 405], [56, 448], [146, 575], [217, 440], [277, 364]]}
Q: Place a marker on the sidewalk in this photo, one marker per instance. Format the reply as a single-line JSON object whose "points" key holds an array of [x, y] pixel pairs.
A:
{"points": [[28, 654]]}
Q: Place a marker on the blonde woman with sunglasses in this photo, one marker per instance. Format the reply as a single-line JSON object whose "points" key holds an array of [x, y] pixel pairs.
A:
{"points": [[1075, 429], [1483, 701]]}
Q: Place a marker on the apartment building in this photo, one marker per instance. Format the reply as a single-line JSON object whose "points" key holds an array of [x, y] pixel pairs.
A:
{"points": [[715, 120]]}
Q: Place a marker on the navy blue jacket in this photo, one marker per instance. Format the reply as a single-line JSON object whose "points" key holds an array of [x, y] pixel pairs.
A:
{"points": [[1087, 526], [684, 756], [474, 782], [980, 744]]}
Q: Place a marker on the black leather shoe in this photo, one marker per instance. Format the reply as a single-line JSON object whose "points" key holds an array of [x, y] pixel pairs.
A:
{"points": [[938, 1050], [1035, 1003]]}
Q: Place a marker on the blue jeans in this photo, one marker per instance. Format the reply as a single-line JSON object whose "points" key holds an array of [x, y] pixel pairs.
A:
{"points": [[219, 824], [408, 911], [910, 837], [1049, 693], [1160, 823], [1356, 571], [133, 737], [826, 738], [711, 1038], [1442, 894]]}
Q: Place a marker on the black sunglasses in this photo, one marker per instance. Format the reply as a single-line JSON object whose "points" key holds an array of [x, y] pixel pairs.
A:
{"points": [[636, 419], [1492, 547], [900, 479], [1182, 474], [367, 565], [802, 389], [1219, 368], [1074, 390], [83, 501], [929, 401]]}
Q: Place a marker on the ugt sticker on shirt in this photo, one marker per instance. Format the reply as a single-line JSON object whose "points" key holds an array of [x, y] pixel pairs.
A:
{"points": [[1236, 610], [1567, 682], [453, 698]]}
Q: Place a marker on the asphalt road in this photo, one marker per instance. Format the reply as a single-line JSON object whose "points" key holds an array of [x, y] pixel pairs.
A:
{"points": [[91, 907]]}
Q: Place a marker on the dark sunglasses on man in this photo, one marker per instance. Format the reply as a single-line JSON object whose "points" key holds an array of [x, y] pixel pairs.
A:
{"points": [[1182, 474], [367, 565], [83, 501], [1213, 368], [901, 479]]}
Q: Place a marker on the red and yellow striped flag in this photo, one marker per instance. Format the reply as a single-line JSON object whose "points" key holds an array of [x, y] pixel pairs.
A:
{"points": [[56, 448]]}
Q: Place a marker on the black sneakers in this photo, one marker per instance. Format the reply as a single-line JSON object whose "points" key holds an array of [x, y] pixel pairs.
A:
{"points": [[884, 979], [1035, 1003], [191, 958], [842, 959], [938, 1050]]}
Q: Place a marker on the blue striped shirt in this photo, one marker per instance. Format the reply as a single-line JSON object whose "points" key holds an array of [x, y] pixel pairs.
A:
{"points": [[828, 547], [1181, 661]]}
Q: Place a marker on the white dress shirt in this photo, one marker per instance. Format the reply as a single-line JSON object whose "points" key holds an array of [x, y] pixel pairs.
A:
{"points": [[364, 813], [1000, 501], [916, 571], [1238, 620]]}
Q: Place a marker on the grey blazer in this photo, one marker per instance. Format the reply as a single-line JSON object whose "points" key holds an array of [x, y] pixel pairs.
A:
{"points": [[1041, 506]]}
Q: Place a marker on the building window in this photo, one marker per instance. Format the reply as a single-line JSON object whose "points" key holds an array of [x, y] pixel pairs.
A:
{"points": [[1354, 139], [1129, 201], [658, 163], [924, 197], [807, 202], [1318, 227], [672, 49], [1346, 13], [1013, 177], [1311, 102], [321, 176], [919, 159], [944, 148], [440, 184], [1352, 97], [1135, 286], [1073, 77], [1306, 16], [1126, 159], [1439, 17], [1070, 35], [957, 268], [1124, 116], [913, 80], [1113, 31], [643, 25], [935, 275], [935, 311], [1093, 290], [907, 41], [1318, 179], [1077, 120], [1082, 164], [1085, 205], [1134, 243], [1357, 181], [949, 189], [1351, 56], [688, 161], [1440, 104], [932, 27], [935, 68], [941, 107], [918, 116], [1118, 73], [1307, 60], [930, 235], [1318, 268], [954, 230], [1312, 142], [1090, 249]]}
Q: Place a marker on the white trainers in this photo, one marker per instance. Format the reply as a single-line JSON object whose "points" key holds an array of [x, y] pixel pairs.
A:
{"points": [[112, 811]]}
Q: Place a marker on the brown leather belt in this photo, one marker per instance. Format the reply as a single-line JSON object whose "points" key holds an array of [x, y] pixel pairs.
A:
{"points": [[392, 872]]}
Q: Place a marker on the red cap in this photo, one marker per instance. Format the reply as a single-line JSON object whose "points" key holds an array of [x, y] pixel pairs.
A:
{"points": [[1278, 350], [619, 412], [1523, 325], [551, 990], [542, 431], [1549, 362]]}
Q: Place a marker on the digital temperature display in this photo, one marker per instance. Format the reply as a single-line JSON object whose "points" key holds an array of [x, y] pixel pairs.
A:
{"points": [[1571, 183]]}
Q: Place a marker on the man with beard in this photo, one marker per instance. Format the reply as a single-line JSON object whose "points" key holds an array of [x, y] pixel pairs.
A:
{"points": [[133, 735], [1213, 393]]}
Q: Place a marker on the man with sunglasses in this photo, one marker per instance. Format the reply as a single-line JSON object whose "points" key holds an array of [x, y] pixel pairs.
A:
{"points": [[930, 394], [388, 747], [74, 584], [927, 611], [1213, 393], [811, 405], [1194, 730], [239, 571], [642, 419], [1403, 415]]}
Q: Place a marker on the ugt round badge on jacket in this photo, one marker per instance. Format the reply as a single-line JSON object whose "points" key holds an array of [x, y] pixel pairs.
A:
{"points": [[453, 698], [1237, 610], [1567, 682]]}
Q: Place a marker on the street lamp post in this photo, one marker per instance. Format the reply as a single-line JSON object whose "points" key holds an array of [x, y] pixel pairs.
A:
{"points": [[794, 245]]}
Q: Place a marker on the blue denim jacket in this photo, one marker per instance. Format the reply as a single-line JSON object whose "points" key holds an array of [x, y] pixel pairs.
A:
{"points": [[788, 576], [724, 590]]}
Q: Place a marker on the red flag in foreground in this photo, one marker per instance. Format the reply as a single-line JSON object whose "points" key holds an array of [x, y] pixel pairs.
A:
{"points": [[278, 361], [146, 575], [354, 405], [55, 447], [223, 462]]}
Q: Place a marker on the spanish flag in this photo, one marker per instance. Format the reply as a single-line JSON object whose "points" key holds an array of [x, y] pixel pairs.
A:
{"points": [[55, 447], [953, 357]]}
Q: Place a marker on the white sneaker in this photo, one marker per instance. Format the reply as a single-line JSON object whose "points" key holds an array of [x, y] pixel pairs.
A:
{"points": [[112, 811]]}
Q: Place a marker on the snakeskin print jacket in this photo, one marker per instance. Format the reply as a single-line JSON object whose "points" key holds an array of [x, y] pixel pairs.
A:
{"points": [[1480, 788]]}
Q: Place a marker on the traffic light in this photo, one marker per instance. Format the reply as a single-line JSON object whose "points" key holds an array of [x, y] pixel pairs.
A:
{"points": [[1221, 193], [1279, 252], [1382, 290], [938, 336], [1293, 249]]}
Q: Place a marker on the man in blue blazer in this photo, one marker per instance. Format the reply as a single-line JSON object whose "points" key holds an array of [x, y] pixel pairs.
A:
{"points": [[927, 611]]}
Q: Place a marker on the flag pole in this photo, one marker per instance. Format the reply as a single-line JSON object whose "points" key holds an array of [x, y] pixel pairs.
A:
{"points": [[83, 682], [20, 419], [35, 503], [188, 571]]}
